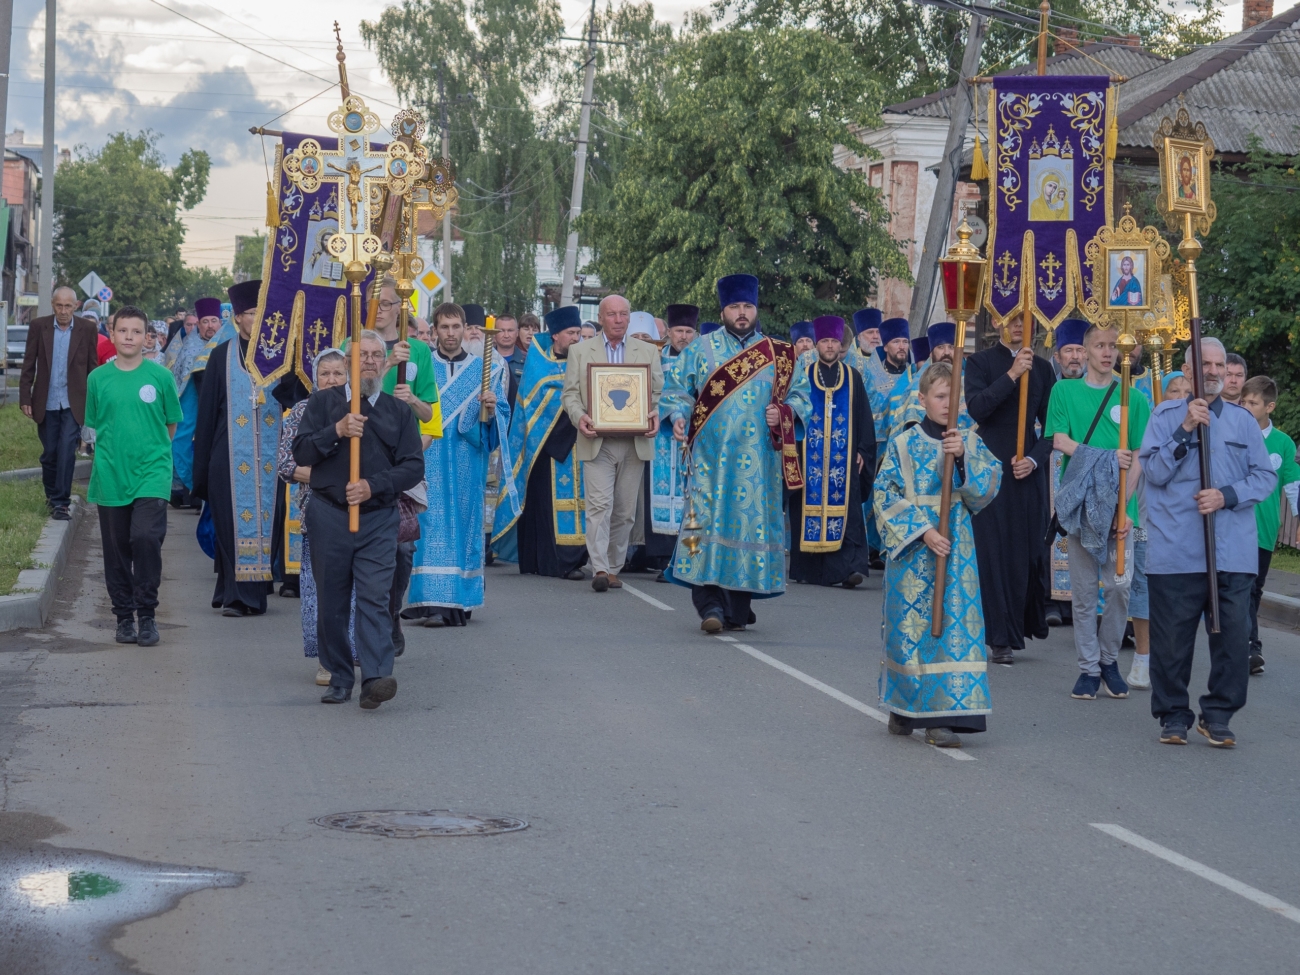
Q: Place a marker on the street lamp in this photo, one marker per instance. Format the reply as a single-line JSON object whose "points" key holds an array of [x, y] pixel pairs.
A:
{"points": [[963, 271]]}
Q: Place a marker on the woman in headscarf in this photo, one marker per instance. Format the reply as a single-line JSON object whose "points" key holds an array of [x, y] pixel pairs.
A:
{"points": [[328, 369]]}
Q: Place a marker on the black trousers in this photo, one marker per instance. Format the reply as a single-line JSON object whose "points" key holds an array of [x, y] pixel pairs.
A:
{"points": [[340, 561], [731, 604], [133, 536], [397, 592], [1256, 594], [1178, 602], [59, 433]]}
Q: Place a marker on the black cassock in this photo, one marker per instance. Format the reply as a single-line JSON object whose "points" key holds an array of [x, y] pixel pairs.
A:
{"points": [[212, 484], [832, 568], [538, 553], [1010, 534]]}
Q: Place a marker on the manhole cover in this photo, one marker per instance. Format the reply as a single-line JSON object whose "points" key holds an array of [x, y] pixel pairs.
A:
{"points": [[411, 823]]}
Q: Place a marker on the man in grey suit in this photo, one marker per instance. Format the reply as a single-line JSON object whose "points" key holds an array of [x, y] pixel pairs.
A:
{"points": [[612, 465]]}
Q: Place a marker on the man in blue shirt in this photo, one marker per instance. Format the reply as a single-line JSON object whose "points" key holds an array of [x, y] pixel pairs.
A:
{"points": [[1175, 504]]}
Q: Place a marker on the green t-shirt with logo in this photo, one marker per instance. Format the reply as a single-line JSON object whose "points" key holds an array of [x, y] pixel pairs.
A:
{"points": [[1268, 513], [1071, 408], [129, 412]]}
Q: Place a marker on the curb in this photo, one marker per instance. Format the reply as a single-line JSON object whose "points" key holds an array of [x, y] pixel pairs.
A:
{"points": [[81, 472], [1277, 608], [33, 595]]}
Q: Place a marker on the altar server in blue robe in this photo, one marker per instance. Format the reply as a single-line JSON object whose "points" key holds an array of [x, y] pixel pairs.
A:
{"points": [[889, 385], [550, 527], [236, 435], [447, 578], [182, 359], [736, 399], [939, 684], [828, 532]]}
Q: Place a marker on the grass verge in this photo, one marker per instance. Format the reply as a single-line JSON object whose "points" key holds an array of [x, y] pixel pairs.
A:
{"points": [[19, 445], [22, 516], [1286, 558]]}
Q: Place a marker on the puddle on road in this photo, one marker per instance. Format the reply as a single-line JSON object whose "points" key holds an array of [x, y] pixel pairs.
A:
{"points": [[60, 909]]}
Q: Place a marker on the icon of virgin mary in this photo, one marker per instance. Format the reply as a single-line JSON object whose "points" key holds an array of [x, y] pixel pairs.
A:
{"points": [[1052, 202]]}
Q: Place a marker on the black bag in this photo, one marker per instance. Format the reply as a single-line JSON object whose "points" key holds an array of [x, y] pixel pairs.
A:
{"points": [[1055, 531]]}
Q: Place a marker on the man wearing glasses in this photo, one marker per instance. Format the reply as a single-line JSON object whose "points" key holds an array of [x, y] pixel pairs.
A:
{"points": [[420, 392]]}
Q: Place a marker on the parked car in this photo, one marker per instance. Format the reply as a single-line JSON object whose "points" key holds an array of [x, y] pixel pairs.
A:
{"points": [[15, 346]]}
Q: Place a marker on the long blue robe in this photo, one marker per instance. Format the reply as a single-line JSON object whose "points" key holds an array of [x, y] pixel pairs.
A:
{"points": [[448, 565], [735, 482], [921, 676], [181, 358], [911, 411]]}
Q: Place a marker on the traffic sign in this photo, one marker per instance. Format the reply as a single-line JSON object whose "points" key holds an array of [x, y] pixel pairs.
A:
{"points": [[427, 285], [91, 284], [104, 294]]}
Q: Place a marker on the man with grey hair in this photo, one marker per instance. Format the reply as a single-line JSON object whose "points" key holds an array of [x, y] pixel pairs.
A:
{"points": [[1241, 477], [612, 463], [61, 351], [342, 561]]}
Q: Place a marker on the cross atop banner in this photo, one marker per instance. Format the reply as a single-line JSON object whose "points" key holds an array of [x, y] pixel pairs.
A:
{"points": [[1049, 192]]}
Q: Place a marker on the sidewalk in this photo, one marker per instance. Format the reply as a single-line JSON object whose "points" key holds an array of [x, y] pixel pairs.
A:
{"points": [[1281, 602]]}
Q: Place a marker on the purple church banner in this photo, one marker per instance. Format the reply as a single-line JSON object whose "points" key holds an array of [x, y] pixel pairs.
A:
{"points": [[302, 308], [1049, 192]]}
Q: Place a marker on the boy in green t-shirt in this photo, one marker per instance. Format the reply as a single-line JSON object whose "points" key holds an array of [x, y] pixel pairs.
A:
{"points": [[132, 405], [1074, 405], [1259, 395]]}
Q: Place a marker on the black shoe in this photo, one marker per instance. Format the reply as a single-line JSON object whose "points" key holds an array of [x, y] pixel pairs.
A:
{"points": [[290, 592], [600, 582], [661, 577], [336, 695], [1218, 735], [377, 690], [734, 627], [148, 632], [1256, 663], [234, 611], [126, 631], [575, 576], [1054, 616], [878, 564], [853, 581], [61, 513], [897, 727], [1003, 656]]}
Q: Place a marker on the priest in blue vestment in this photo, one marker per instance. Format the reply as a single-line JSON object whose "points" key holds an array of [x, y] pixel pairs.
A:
{"points": [[828, 532], [737, 401], [549, 527], [888, 387], [236, 435], [447, 579], [938, 684], [183, 359], [939, 347]]}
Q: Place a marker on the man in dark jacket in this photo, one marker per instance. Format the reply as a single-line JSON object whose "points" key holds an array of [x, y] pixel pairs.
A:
{"points": [[52, 391], [392, 461]]}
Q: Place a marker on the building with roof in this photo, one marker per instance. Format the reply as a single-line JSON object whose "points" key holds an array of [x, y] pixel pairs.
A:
{"points": [[1245, 87]]}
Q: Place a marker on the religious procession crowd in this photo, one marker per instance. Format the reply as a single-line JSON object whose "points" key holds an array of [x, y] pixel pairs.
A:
{"points": [[827, 451]]}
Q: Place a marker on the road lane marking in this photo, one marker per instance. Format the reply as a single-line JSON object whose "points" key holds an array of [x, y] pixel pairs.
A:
{"points": [[813, 682], [1267, 901], [647, 597]]}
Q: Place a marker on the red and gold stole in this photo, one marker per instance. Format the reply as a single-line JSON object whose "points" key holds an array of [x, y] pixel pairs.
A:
{"points": [[734, 373]]}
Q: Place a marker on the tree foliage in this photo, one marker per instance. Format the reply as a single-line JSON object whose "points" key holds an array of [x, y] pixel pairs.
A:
{"points": [[732, 170], [117, 212], [915, 49], [1250, 272], [249, 253], [194, 283]]}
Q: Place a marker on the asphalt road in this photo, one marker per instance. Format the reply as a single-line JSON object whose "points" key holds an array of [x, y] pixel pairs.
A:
{"points": [[692, 807]]}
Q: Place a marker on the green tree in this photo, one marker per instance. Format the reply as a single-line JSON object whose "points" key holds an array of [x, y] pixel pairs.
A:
{"points": [[194, 283], [732, 170], [249, 251], [500, 60], [117, 212], [1249, 275]]}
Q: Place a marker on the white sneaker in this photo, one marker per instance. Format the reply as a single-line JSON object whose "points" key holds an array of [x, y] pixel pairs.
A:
{"points": [[1139, 674], [322, 676]]}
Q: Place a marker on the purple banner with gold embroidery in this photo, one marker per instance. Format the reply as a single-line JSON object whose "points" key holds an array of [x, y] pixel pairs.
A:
{"points": [[302, 308], [1049, 192]]}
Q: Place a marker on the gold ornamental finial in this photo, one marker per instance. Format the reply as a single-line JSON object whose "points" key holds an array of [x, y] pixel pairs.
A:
{"points": [[341, 58]]}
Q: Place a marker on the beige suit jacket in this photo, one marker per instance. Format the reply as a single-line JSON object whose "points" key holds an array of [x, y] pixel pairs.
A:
{"points": [[575, 388]]}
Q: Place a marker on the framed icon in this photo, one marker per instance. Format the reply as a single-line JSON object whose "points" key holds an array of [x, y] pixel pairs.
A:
{"points": [[1186, 175], [1128, 283], [618, 398]]}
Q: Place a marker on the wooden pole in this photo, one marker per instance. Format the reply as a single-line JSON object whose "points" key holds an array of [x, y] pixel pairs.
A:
{"points": [[355, 273], [1044, 15], [1125, 346], [1190, 249], [945, 493]]}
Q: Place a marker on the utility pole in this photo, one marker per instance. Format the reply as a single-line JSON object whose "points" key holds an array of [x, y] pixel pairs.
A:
{"points": [[46, 255], [446, 217], [936, 233], [579, 167], [6, 35]]}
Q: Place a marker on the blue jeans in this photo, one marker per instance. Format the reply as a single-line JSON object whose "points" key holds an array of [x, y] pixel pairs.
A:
{"points": [[59, 433]]}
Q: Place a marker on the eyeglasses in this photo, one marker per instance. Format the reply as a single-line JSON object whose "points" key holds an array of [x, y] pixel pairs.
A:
{"points": [[388, 305], [373, 356]]}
